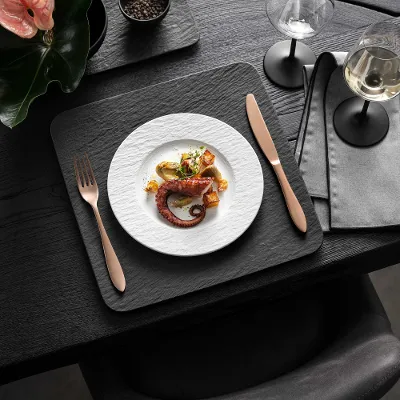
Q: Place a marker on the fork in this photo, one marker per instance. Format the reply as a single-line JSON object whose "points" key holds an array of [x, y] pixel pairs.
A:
{"points": [[89, 191]]}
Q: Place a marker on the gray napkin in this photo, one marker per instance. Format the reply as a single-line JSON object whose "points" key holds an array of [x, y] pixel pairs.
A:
{"points": [[351, 187]]}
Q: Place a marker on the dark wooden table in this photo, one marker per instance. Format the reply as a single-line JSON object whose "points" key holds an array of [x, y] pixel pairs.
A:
{"points": [[50, 308]]}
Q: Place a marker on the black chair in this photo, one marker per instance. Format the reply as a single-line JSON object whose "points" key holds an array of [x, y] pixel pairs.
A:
{"points": [[332, 342]]}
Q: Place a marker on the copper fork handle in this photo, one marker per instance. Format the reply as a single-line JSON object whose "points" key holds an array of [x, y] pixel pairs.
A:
{"points": [[113, 265], [295, 210]]}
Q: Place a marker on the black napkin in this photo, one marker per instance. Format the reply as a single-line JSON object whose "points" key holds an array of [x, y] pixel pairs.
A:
{"points": [[351, 187]]}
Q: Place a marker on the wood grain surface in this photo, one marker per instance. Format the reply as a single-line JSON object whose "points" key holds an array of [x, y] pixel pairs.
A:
{"points": [[50, 306], [391, 7], [126, 45]]}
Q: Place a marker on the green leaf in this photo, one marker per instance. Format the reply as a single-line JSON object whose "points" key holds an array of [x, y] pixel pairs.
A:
{"points": [[28, 66]]}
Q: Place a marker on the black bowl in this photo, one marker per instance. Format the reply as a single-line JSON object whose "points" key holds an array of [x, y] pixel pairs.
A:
{"points": [[98, 22], [143, 23]]}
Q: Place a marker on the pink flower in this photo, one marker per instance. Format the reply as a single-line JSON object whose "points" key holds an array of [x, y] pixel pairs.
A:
{"points": [[25, 17]]}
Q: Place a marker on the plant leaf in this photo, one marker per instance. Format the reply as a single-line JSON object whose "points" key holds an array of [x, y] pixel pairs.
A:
{"points": [[28, 66]]}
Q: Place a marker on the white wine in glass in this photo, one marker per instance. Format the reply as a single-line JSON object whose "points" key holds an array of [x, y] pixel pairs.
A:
{"points": [[372, 72]]}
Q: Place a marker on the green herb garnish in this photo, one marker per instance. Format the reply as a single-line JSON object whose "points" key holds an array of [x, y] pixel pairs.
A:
{"points": [[188, 170]]}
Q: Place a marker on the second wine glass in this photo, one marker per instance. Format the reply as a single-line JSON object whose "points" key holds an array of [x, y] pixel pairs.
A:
{"points": [[298, 19], [372, 71]]}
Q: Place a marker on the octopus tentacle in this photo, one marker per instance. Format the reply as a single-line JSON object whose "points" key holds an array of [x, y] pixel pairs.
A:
{"points": [[189, 187], [199, 208]]}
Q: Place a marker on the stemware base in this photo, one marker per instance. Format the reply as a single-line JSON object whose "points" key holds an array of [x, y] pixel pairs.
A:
{"points": [[286, 70], [357, 129]]}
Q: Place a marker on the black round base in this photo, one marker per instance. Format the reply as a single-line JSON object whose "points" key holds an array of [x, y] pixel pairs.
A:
{"points": [[360, 131], [287, 71]]}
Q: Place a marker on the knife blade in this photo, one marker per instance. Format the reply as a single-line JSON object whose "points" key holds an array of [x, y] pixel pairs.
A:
{"points": [[267, 145]]}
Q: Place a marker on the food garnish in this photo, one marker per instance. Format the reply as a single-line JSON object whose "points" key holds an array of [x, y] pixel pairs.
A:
{"points": [[207, 158], [152, 186], [211, 171], [192, 187], [210, 199], [192, 177], [181, 202], [190, 164], [167, 170], [222, 185]]}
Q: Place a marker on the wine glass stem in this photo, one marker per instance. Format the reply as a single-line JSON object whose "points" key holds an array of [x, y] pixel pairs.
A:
{"points": [[363, 113], [292, 48]]}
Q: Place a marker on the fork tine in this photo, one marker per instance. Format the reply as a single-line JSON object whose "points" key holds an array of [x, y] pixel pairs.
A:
{"points": [[87, 169], [90, 169], [77, 174], [85, 172], [82, 172]]}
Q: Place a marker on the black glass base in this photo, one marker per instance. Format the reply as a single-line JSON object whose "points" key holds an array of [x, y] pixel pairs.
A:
{"points": [[287, 71], [360, 130]]}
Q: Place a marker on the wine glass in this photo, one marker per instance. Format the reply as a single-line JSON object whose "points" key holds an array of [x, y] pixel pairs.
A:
{"points": [[372, 71], [298, 19]]}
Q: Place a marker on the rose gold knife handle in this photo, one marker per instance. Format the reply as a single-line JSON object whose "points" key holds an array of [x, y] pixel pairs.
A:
{"points": [[293, 205], [113, 265]]}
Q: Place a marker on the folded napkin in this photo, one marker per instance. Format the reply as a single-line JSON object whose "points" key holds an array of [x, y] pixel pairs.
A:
{"points": [[352, 187]]}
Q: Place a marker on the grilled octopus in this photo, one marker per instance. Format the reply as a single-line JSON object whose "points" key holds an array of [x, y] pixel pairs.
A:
{"points": [[192, 187]]}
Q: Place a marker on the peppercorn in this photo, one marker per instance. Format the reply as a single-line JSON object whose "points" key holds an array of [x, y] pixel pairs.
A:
{"points": [[145, 9]]}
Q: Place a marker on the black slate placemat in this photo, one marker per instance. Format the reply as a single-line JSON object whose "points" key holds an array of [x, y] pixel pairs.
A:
{"points": [[125, 45], [100, 127]]}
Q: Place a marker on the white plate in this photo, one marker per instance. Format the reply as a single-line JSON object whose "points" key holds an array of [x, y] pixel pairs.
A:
{"points": [[166, 138]]}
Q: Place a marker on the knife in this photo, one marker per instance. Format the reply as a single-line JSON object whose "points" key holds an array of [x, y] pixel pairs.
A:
{"points": [[266, 143]]}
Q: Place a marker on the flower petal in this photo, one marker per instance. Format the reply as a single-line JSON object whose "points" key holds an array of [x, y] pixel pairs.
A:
{"points": [[14, 17], [43, 13]]}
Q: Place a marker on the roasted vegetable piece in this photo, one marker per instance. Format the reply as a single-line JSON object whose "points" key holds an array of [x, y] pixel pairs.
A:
{"points": [[210, 189], [207, 158], [181, 202], [212, 172], [222, 185], [152, 187], [167, 170], [185, 156], [210, 199], [186, 166]]}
